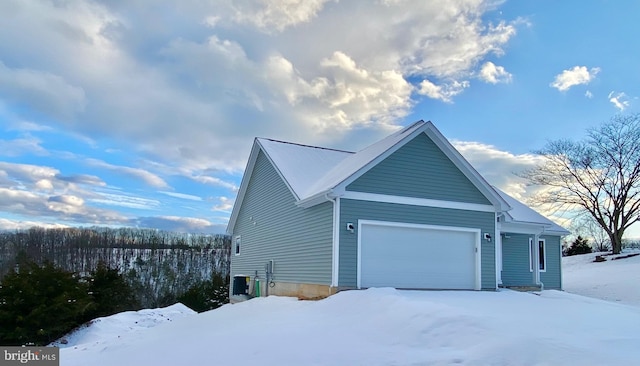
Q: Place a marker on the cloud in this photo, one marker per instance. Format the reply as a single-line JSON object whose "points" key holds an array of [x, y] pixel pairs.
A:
{"points": [[179, 224], [195, 92], [146, 176], [22, 146], [588, 94], [276, 14], [619, 100], [44, 91], [214, 181], [443, 92], [225, 204], [42, 192], [125, 200], [6, 224], [575, 76], [493, 74], [499, 167], [183, 196]]}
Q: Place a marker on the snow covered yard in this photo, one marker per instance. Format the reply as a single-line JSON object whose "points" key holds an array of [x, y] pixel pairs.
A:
{"points": [[382, 327], [612, 280]]}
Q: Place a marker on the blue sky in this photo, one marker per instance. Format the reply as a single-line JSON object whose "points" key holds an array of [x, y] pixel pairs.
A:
{"points": [[143, 112]]}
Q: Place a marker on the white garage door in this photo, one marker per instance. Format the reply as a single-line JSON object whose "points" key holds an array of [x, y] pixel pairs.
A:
{"points": [[417, 256]]}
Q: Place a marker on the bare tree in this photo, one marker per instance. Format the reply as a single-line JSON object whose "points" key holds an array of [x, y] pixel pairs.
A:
{"points": [[586, 226], [599, 175]]}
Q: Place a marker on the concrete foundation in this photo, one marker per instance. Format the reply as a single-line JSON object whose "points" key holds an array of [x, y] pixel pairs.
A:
{"points": [[303, 291]]}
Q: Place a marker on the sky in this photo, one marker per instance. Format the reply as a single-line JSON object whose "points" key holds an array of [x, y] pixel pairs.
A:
{"points": [[143, 113]]}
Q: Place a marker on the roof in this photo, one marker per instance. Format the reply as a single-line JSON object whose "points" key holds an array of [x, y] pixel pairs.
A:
{"points": [[301, 165], [523, 214], [314, 173]]}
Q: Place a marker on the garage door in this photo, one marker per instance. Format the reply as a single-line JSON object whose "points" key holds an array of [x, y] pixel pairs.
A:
{"points": [[417, 256]]}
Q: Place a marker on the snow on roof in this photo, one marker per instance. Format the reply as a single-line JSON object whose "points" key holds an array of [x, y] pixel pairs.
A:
{"points": [[524, 214], [302, 165], [352, 163]]}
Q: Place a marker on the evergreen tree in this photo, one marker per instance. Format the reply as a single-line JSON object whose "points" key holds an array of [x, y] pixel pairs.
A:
{"points": [[207, 295], [579, 246], [39, 304], [111, 292]]}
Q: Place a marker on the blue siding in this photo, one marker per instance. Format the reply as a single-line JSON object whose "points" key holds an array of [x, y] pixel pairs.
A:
{"points": [[353, 210], [299, 240], [419, 169], [551, 278], [516, 268]]}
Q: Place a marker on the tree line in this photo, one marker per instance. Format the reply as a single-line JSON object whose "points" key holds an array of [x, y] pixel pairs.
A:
{"points": [[158, 265]]}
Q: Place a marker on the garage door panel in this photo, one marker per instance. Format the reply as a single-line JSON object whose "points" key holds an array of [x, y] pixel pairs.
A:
{"points": [[417, 257]]}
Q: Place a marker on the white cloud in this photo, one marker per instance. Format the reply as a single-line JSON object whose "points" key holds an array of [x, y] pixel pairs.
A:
{"points": [[146, 176], [44, 91], [179, 224], [197, 91], [619, 100], [42, 192], [276, 14], [498, 167], [21, 146], [588, 94], [494, 74], [443, 92], [125, 200], [575, 76], [225, 204], [6, 224], [183, 196]]}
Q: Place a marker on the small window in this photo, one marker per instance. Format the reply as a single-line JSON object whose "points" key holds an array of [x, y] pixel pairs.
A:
{"points": [[236, 245], [542, 254], [542, 262]]}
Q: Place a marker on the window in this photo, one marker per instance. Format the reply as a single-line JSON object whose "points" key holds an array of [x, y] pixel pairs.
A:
{"points": [[542, 256], [236, 244]]}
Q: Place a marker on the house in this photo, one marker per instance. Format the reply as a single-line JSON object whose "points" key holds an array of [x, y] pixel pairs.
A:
{"points": [[407, 212]]}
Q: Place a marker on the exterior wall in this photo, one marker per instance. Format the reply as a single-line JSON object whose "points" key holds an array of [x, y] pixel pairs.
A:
{"points": [[353, 210], [271, 227], [551, 278], [419, 169], [516, 268], [516, 261]]}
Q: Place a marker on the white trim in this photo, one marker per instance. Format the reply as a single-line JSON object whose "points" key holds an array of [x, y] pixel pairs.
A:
{"points": [[524, 228], [534, 254], [375, 197], [335, 264], [560, 260], [478, 245]]}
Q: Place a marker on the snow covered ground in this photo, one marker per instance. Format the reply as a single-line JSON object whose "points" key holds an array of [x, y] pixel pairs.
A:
{"points": [[613, 280], [388, 327], [102, 331]]}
